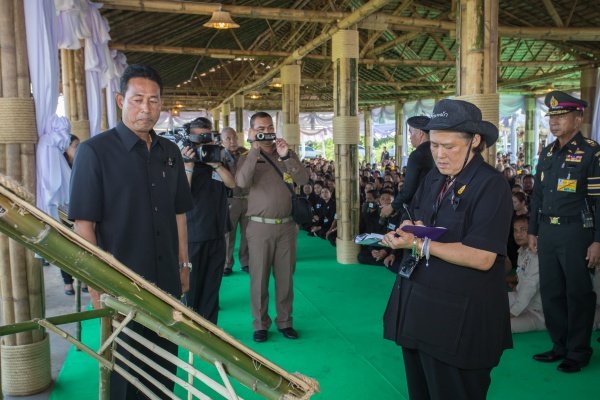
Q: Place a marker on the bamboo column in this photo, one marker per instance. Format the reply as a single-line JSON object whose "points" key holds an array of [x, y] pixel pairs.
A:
{"points": [[225, 110], [345, 139], [290, 78], [73, 80], [589, 82], [399, 138], [21, 279], [238, 106], [529, 145], [104, 117], [368, 137], [216, 115], [477, 61]]}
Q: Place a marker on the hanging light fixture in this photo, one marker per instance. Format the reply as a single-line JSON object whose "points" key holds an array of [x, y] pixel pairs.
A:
{"points": [[276, 83], [221, 20], [254, 95]]}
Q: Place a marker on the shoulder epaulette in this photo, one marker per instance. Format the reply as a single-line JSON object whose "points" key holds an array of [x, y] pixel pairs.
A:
{"points": [[591, 142]]}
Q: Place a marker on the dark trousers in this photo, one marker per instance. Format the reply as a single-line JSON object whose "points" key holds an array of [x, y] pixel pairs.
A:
{"points": [[120, 389], [568, 297], [67, 279], [365, 257], [207, 258], [431, 379]]}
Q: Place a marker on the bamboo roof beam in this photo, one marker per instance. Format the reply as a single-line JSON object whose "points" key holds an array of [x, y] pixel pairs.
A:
{"points": [[378, 21], [552, 12], [354, 18], [235, 53]]}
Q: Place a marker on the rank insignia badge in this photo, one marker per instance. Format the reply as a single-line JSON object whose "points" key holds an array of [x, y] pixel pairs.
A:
{"points": [[567, 185], [553, 102], [287, 178]]}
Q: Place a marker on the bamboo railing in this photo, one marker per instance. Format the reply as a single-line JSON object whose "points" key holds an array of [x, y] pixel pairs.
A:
{"points": [[60, 246]]}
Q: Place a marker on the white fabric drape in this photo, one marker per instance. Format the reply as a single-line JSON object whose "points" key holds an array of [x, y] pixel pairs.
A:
{"points": [[52, 170]]}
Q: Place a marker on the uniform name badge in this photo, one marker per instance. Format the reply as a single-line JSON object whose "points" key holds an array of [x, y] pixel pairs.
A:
{"points": [[567, 185], [216, 176]]}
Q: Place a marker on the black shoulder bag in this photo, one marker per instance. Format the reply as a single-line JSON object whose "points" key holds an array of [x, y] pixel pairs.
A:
{"points": [[301, 209]]}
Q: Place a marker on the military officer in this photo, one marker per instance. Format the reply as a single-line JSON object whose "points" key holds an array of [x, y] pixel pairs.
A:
{"points": [[238, 204], [271, 231], [565, 195]]}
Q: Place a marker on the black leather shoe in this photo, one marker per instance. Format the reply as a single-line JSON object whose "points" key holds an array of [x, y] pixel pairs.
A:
{"points": [[227, 271], [260, 336], [570, 366], [549, 356], [245, 268], [289, 333]]}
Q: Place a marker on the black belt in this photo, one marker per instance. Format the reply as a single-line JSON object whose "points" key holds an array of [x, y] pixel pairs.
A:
{"points": [[560, 220]]}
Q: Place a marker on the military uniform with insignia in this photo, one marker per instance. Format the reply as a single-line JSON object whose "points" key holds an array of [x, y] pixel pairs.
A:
{"points": [[565, 195]]}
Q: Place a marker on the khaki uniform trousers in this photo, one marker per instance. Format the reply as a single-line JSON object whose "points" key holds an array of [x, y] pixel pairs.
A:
{"points": [[271, 246], [237, 215]]}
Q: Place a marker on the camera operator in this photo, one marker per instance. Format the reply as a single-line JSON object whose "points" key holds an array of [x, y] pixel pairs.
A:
{"points": [[208, 221], [271, 231], [238, 204]]}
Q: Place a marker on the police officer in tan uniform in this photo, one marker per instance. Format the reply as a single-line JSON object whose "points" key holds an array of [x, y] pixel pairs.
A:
{"points": [[564, 230], [271, 231], [238, 204]]}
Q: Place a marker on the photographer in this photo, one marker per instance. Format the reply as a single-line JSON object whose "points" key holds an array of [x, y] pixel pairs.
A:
{"points": [[271, 231], [208, 221]]}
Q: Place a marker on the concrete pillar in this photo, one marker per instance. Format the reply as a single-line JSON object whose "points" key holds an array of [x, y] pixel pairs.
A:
{"points": [[346, 137], [290, 107]]}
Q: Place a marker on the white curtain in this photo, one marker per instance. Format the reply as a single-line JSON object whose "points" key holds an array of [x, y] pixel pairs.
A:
{"points": [[596, 111], [52, 171]]}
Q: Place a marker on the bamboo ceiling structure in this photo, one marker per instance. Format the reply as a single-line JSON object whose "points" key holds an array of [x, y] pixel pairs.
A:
{"points": [[407, 48]]}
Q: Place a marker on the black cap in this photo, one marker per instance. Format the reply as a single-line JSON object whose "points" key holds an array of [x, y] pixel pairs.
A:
{"points": [[562, 103], [418, 122], [462, 116]]}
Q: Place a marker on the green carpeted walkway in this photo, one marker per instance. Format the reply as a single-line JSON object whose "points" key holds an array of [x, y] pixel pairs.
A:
{"points": [[338, 311]]}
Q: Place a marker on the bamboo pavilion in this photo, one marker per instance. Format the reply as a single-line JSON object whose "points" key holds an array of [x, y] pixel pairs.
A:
{"points": [[346, 57]]}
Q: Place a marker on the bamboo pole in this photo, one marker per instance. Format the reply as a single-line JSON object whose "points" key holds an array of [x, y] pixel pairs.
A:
{"points": [[290, 105], [66, 80], [238, 105], [478, 58], [84, 261], [346, 138], [79, 70], [368, 136], [225, 111], [529, 129], [399, 137], [104, 380]]}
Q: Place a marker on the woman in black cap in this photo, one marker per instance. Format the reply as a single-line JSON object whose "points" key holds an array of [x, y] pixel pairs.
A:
{"points": [[449, 309]]}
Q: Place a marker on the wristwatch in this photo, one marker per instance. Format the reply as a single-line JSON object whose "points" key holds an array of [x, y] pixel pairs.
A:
{"points": [[185, 265]]}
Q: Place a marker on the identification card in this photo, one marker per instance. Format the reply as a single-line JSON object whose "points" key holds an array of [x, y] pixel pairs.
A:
{"points": [[216, 176], [567, 185]]}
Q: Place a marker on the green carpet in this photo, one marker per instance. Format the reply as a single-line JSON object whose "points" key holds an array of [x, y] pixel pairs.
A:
{"points": [[338, 313]]}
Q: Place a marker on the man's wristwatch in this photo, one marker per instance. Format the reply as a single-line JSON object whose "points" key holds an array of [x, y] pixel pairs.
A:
{"points": [[185, 265], [287, 156]]}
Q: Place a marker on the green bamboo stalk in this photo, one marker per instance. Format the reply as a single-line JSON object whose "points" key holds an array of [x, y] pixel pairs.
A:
{"points": [[63, 248], [58, 320]]}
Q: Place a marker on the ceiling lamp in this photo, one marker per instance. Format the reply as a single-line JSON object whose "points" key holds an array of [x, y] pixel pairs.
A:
{"points": [[276, 83], [221, 20], [254, 95]]}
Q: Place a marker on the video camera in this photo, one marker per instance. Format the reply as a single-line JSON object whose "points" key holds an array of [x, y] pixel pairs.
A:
{"points": [[265, 137], [207, 146]]}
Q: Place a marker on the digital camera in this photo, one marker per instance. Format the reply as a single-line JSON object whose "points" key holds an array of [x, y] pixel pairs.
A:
{"points": [[265, 137]]}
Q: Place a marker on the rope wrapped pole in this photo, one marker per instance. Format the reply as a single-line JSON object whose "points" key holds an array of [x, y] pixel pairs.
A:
{"points": [[345, 139], [84, 261]]}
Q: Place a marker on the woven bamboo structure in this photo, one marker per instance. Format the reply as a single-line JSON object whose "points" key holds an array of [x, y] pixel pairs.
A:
{"points": [[21, 286], [73, 88], [290, 104]]}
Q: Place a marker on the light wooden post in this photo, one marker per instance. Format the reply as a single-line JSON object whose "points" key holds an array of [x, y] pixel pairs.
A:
{"points": [[345, 139], [529, 145], [73, 81], [399, 138], [589, 82], [238, 105], [290, 78], [104, 117], [368, 137], [477, 61], [225, 111], [216, 115], [24, 355]]}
